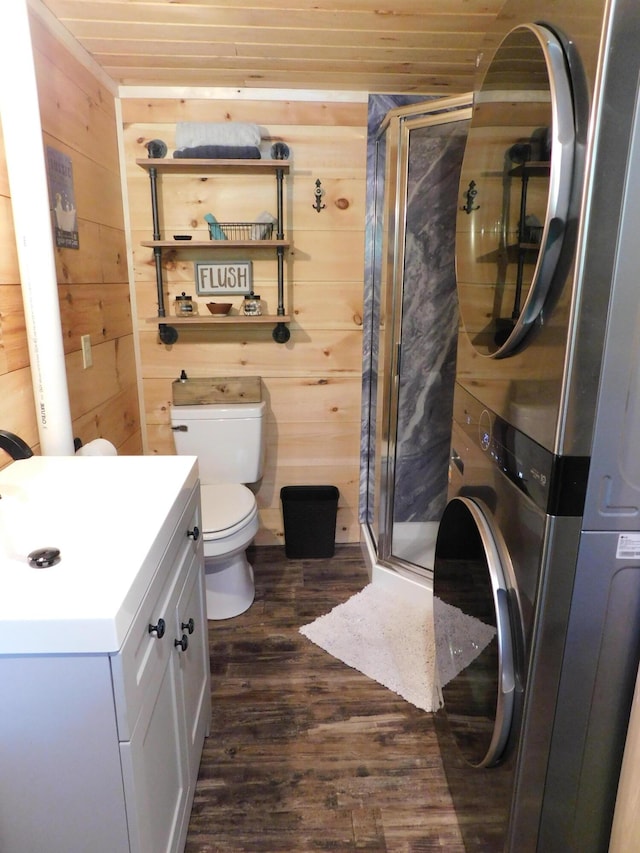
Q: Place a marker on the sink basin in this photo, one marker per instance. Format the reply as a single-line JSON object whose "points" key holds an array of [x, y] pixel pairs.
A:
{"points": [[104, 515]]}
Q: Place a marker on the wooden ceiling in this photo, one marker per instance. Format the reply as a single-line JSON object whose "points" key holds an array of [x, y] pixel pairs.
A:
{"points": [[413, 46]]}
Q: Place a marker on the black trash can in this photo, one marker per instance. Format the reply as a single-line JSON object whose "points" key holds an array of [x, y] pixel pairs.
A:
{"points": [[309, 514]]}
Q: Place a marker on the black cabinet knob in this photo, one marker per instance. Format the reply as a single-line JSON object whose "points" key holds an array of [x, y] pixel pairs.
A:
{"points": [[158, 629], [182, 643], [194, 534], [188, 626]]}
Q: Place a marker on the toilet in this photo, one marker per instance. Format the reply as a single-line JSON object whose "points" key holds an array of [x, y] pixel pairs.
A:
{"points": [[229, 441]]}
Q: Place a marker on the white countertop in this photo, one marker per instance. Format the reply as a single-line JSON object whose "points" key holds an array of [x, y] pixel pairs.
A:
{"points": [[105, 515]]}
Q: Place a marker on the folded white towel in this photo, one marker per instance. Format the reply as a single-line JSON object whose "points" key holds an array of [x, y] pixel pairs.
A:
{"points": [[263, 232], [190, 134]]}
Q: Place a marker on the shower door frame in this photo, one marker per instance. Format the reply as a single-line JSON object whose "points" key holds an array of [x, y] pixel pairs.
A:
{"points": [[388, 276]]}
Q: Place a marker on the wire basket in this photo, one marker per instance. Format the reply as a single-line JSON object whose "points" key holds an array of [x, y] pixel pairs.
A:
{"points": [[241, 231]]}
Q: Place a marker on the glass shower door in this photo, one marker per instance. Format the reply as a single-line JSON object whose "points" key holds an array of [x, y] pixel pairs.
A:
{"points": [[415, 319]]}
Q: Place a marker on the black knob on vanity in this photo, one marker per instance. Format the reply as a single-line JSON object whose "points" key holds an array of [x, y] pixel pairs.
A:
{"points": [[158, 629], [188, 626], [194, 534], [182, 643]]}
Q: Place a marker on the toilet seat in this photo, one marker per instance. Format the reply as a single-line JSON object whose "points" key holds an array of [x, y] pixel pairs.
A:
{"points": [[226, 508]]}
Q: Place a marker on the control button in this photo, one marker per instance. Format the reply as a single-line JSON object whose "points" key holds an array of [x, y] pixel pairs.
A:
{"points": [[484, 430]]}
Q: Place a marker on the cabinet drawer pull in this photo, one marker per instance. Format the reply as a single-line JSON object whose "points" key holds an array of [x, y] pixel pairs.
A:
{"points": [[182, 643], [158, 629], [188, 626], [194, 534]]}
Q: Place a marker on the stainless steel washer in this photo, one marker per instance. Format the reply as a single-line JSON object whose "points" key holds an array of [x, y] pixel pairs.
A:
{"points": [[511, 513]]}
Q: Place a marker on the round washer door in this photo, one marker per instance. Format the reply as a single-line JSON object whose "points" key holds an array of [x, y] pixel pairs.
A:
{"points": [[474, 640]]}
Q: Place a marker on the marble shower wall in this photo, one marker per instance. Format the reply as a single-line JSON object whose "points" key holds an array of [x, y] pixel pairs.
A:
{"points": [[429, 323], [379, 106], [430, 319]]}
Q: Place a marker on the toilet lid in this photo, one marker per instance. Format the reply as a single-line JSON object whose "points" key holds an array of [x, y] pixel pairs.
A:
{"points": [[225, 506]]}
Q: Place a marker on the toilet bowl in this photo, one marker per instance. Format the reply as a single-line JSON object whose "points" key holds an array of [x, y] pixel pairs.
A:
{"points": [[229, 524], [229, 443]]}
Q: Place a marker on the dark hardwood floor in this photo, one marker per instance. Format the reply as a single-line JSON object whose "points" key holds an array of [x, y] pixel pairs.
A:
{"points": [[306, 754]]}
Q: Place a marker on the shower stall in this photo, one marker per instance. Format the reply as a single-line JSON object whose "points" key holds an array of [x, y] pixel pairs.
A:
{"points": [[411, 330]]}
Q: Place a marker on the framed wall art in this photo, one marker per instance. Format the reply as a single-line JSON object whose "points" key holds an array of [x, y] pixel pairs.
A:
{"points": [[223, 278]]}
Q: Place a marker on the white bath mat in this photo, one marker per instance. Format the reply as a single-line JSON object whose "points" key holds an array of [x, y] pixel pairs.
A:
{"points": [[390, 639]]}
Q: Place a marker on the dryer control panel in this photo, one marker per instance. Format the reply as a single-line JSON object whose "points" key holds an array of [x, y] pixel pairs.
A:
{"points": [[556, 484]]}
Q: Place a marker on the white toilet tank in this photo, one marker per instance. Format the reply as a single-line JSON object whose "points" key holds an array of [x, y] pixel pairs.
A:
{"points": [[228, 439]]}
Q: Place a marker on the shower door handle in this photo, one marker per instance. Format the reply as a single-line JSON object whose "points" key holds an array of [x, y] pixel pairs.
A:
{"points": [[398, 360]]}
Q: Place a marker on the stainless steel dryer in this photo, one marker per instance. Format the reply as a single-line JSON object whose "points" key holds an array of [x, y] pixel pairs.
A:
{"points": [[538, 212], [544, 467]]}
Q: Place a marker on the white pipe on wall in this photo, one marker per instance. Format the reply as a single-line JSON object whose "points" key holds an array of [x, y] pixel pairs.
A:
{"points": [[20, 115]]}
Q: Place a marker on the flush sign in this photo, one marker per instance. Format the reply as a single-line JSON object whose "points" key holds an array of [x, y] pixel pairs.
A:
{"points": [[224, 278]]}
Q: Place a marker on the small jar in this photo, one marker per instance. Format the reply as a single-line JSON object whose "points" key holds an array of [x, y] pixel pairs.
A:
{"points": [[185, 306], [251, 306]]}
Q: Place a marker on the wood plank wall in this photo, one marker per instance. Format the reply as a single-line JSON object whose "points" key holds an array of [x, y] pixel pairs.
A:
{"points": [[78, 118], [311, 384], [17, 410]]}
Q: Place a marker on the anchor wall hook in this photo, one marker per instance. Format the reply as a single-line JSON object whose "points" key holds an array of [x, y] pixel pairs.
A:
{"points": [[318, 193], [470, 194]]}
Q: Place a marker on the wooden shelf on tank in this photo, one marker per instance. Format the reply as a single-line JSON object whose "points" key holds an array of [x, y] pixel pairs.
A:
{"points": [[227, 319]]}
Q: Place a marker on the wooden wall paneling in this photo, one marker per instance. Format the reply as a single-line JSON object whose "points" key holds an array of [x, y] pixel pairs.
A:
{"points": [[17, 409], [325, 147], [311, 146], [48, 46], [157, 399], [132, 446], [113, 254], [118, 418], [79, 119], [343, 197], [97, 188], [327, 398], [337, 398], [9, 273], [311, 384], [329, 305], [150, 115], [113, 371], [160, 439], [102, 311], [4, 178], [78, 111], [14, 353], [306, 445], [327, 256], [185, 199], [75, 266], [251, 352], [317, 446]]}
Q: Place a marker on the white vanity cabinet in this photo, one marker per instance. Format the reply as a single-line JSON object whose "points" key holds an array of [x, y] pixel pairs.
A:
{"points": [[162, 696], [99, 751]]}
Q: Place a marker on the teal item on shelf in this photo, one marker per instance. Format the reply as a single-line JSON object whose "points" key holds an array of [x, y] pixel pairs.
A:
{"points": [[215, 231]]}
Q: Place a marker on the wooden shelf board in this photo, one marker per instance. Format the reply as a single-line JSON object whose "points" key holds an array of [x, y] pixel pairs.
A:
{"points": [[215, 244], [181, 165], [229, 320]]}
